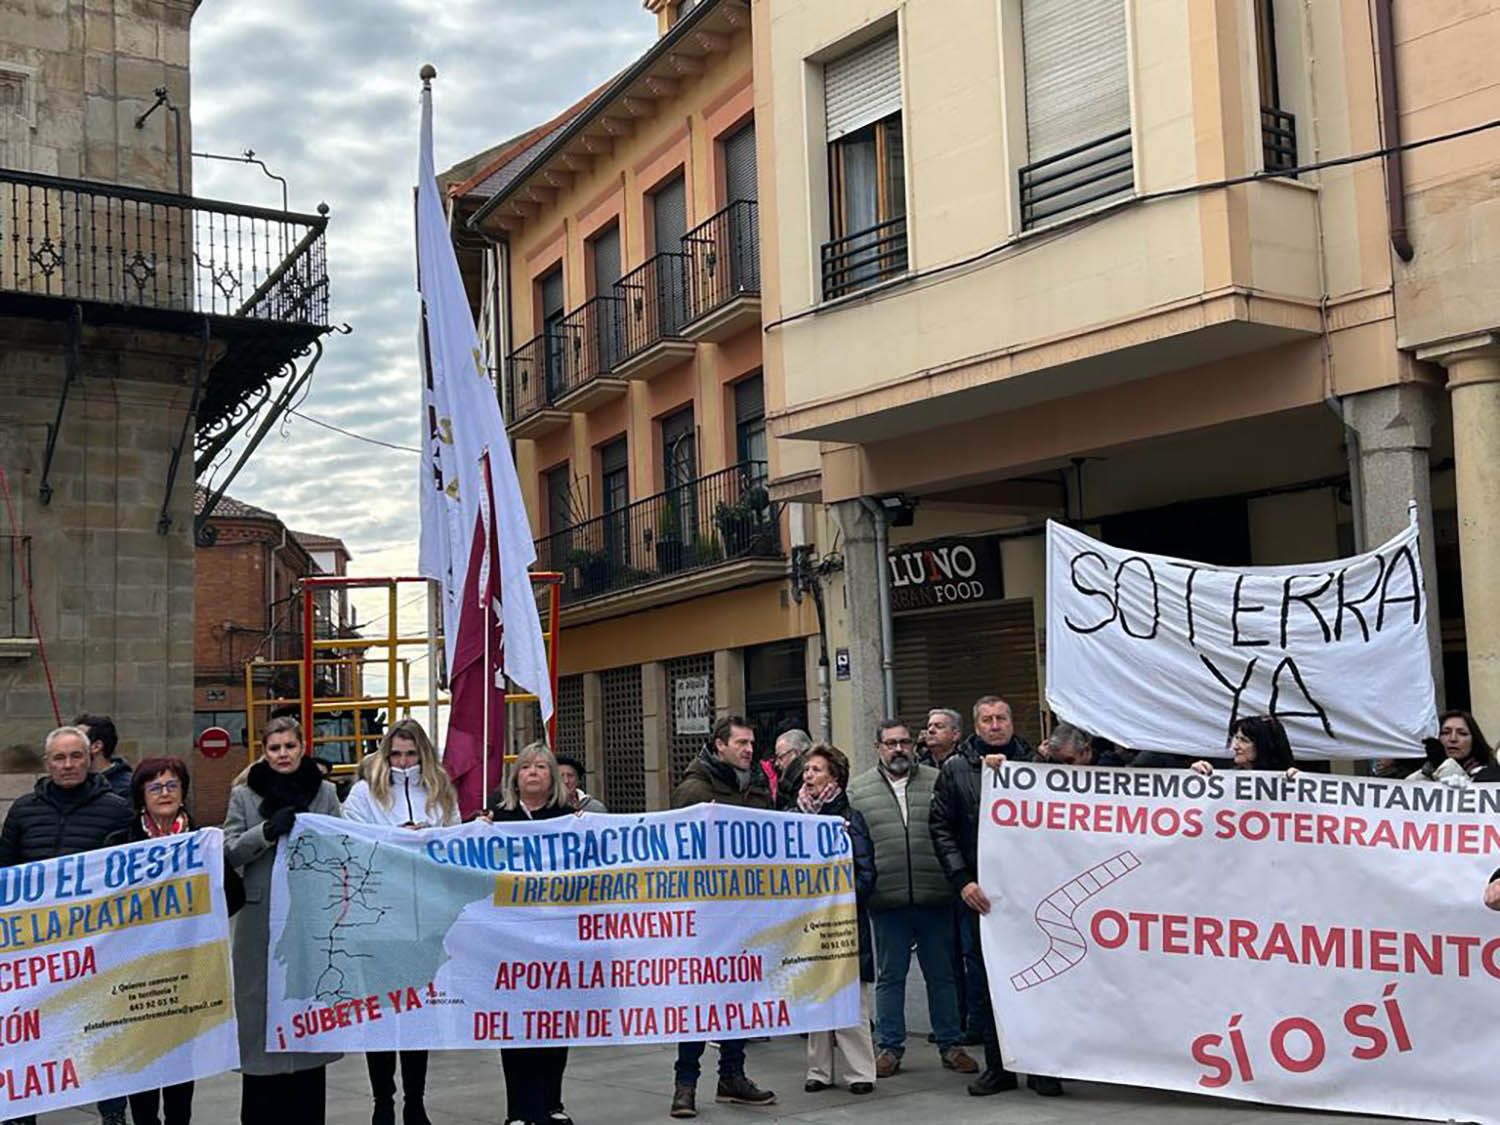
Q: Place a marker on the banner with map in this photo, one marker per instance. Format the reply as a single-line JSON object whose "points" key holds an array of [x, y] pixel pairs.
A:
{"points": [[705, 923], [114, 973]]}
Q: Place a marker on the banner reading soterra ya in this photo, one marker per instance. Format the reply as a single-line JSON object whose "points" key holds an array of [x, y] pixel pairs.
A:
{"points": [[1318, 941], [114, 973], [707, 923], [1158, 653]]}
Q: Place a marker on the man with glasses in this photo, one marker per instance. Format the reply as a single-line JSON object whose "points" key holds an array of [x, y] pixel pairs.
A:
{"points": [[912, 903]]}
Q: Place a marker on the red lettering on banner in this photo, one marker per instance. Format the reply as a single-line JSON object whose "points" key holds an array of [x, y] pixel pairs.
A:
{"points": [[346, 1013], [627, 927], [48, 1076]]}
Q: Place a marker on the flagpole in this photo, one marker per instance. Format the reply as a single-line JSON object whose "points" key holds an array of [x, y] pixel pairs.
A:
{"points": [[486, 609]]}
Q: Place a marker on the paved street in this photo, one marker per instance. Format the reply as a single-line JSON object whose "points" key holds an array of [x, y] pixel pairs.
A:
{"points": [[622, 1086]]}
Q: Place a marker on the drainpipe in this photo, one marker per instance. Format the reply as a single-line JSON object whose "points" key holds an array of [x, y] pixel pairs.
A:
{"points": [[887, 625], [1390, 129]]}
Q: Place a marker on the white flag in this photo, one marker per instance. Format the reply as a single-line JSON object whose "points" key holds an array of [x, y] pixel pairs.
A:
{"points": [[461, 420]]}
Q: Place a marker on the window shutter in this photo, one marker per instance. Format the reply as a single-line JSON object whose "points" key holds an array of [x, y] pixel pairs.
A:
{"points": [[1077, 89], [863, 86], [552, 294], [606, 260], [669, 216], [739, 165]]}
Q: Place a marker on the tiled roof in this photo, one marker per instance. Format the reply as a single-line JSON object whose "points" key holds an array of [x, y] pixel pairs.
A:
{"points": [[312, 541], [230, 508]]}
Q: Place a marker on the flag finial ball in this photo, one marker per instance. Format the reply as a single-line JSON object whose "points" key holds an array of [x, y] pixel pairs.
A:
{"points": [[427, 73]]}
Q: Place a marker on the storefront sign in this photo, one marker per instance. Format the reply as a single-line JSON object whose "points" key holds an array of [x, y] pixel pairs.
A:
{"points": [[692, 705], [1310, 941], [945, 572], [712, 922], [1158, 653]]}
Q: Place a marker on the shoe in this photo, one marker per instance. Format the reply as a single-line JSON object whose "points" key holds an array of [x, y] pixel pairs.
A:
{"points": [[861, 1087], [956, 1058], [559, 1117], [684, 1102], [415, 1113], [886, 1064], [813, 1086], [1044, 1086], [741, 1091], [996, 1081], [385, 1113], [112, 1118]]}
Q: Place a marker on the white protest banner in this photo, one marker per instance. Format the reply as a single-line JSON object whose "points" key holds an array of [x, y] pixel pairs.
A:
{"points": [[707, 923], [1315, 941], [1156, 653], [114, 973]]}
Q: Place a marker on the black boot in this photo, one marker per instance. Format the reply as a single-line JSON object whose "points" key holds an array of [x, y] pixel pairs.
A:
{"points": [[995, 1080], [385, 1112], [413, 1112]]}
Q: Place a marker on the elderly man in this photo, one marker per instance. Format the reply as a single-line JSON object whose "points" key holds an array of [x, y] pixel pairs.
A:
{"points": [[944, 730], [784, 769], [912, 903], [71, 810], [955, 835], [571, 772]]}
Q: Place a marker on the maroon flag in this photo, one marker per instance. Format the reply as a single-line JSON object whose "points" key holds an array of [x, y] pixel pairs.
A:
{"points": [[474, 754]]}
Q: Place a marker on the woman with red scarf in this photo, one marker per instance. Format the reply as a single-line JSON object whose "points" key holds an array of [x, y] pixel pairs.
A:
{"points": [[158, 792]]}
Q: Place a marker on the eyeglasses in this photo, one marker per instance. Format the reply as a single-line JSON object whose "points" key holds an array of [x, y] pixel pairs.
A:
{"points": [[897, 743], [164, 788]]}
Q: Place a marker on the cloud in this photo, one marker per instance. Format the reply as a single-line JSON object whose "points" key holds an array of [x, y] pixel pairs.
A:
{"points": [[326, 94]]}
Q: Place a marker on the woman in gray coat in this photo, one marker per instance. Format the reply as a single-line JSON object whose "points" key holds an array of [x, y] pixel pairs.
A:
{"points": [[281, 1088]]}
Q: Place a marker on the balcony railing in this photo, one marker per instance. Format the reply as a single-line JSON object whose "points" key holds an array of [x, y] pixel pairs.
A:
{"points": [[700, 523], [656, 302], [864, 258], [724, 257], [1278, 132], [137, 249], [591, 342], [533, 374], [1077, 178]]}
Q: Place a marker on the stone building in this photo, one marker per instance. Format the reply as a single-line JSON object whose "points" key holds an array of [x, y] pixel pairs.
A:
{"points": [[140, 329]]}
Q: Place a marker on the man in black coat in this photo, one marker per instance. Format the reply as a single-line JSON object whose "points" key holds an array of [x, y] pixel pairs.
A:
{"points": [[104, 739], [955, 834], [71, 810]]}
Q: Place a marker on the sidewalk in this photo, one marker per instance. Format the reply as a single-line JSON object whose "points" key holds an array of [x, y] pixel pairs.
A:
{"points": [[629, 1085]]}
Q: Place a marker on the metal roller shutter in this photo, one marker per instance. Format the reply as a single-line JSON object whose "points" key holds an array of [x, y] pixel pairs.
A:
{"points": [[948, 659], [739, 165], [863, 86], [1077, 89]]}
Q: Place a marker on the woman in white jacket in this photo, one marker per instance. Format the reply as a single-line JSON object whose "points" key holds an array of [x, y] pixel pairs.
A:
{"points": [[404, 786]]}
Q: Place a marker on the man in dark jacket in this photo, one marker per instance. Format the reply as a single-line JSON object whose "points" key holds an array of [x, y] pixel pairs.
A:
{"points": [[723, 772], [71, 810], [955, 835], [103, 741], [912, 903], [995, 732]]}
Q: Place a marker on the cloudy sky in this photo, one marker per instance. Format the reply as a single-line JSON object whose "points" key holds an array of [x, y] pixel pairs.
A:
{"points": [[325, 92]]}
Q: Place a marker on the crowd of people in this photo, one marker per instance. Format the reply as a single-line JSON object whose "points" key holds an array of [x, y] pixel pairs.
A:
{"points": [[913, 821]]}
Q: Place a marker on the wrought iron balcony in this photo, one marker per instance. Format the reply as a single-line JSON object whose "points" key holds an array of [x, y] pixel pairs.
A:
{"points": [[149, 259], [864, 258], [592, 343], [724, 271], [656, 297], [702, 523], [1072, 180], [1278, 132], [533, 375]]}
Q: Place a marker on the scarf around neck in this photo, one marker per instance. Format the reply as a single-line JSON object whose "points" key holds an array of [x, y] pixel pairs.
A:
{"points": [[816, 804]]}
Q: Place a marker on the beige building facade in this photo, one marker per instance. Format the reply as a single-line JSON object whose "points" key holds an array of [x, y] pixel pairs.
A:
{"points": [[1104, 261]]}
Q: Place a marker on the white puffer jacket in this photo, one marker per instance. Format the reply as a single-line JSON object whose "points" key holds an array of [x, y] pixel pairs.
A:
{"points": [[408, 803]]}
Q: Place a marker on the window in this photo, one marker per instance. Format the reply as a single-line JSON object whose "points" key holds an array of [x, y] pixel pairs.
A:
{"points": [[1278, 128], [550, 299], [866, 168], [668, 205], [679, 457], [605, 325], [739, 164], [614, 466], [559, 488], [750, 420], [1077, 107]]}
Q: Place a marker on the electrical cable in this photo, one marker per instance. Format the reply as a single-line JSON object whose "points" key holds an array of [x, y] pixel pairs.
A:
{"points": [[1024, 243], [352, 434]]}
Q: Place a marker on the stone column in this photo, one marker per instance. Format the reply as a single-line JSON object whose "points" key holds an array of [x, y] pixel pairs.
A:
{"points": [[1474, 387], [729, 682], [656, 714], [1394, 428], [862, 575]]}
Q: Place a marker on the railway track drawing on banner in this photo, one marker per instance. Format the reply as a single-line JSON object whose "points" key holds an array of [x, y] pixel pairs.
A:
{"points": [[1066, 945]]}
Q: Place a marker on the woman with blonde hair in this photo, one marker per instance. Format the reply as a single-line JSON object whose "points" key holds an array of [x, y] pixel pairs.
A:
{"points": [[404, 786], [533, 1075], [283, 1088]]}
